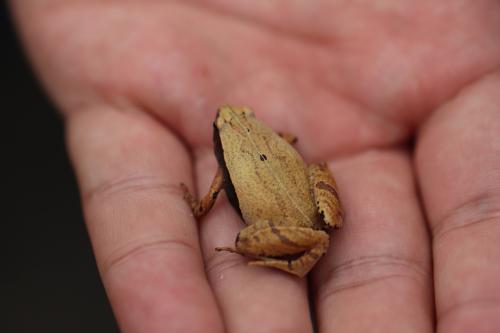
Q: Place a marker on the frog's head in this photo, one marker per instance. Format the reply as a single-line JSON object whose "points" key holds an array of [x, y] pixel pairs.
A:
{"points": [[227, 113]]}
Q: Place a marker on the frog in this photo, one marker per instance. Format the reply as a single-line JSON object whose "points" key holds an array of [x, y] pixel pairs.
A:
{"points": [[288, 206]]}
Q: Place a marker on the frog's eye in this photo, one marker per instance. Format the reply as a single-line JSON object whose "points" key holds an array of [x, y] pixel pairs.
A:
{"points": [[247, 112]]}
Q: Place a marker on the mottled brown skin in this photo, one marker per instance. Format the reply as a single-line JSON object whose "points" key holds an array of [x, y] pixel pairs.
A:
{"points": [[286, 204]]}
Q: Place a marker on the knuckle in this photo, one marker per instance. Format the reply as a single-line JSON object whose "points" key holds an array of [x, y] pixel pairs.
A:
{"points": [[467, 316], [130, 185], [218, 263], [482, 210], [367, 270], [136, 251]]}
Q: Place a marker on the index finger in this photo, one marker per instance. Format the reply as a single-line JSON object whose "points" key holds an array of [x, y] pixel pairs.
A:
{"points": [[146, 245]]}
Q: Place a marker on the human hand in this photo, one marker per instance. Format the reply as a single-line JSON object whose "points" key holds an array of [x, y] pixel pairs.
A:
{"points": [[138, 84]]}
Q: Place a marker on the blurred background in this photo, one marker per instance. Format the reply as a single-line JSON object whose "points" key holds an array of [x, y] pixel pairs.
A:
{"points": [[50, 282]]}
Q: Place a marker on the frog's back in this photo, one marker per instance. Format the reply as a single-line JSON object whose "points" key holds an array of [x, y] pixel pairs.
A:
{"points": [[268, 177]]}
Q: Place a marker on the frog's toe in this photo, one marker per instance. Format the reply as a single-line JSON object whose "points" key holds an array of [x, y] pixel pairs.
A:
{"points": [[289, 266], [227, 249]]}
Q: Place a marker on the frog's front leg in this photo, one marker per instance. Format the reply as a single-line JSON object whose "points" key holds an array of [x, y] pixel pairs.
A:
{"points": [[292, 249], [327, 200], [290, 138], [202, 206]]}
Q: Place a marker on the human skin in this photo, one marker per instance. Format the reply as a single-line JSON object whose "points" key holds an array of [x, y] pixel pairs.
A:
{"points": [[401, 98]]}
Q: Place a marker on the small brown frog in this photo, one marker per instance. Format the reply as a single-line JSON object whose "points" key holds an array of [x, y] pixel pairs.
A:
{"points": [[286, 204]]}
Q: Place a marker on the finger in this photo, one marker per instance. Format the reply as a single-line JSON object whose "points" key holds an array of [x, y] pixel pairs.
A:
{"points": [[252, 299], [143, 235], [376, 275], [458, 160]]}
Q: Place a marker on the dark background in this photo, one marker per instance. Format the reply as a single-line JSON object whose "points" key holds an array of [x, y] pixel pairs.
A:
{"points": [[51, 281]]}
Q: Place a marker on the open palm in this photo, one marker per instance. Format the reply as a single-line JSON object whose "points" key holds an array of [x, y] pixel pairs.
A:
{"points": [[402, 99]]}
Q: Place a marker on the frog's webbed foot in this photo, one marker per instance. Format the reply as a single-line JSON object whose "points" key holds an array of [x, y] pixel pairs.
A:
{"points": [[292, 249], [202, 206], [325, 194]]}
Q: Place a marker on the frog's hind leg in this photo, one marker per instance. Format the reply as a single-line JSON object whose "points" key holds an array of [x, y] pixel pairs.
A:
{"points": [[292, 249], [202, 206], [299, 264], [325, 194]]}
